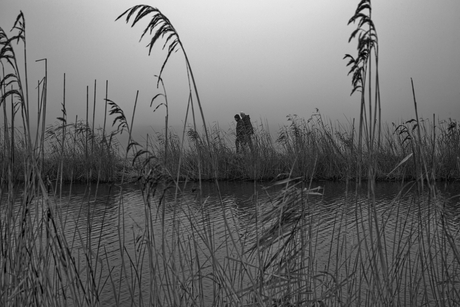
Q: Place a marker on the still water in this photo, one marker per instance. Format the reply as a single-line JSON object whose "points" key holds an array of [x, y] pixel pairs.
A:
{"points": [[110, 218]]}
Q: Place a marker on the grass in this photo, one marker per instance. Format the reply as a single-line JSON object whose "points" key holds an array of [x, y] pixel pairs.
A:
{"points": [[316, 150], [401, 253], [308, 148]]}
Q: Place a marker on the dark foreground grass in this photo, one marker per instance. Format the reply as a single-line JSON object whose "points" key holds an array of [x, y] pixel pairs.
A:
{"points": [[406, 255]]}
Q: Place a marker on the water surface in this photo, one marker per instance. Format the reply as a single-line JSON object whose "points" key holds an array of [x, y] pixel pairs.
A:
{"points": [[108, 219]]}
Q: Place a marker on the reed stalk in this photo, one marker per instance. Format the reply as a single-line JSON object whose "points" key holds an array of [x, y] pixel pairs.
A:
{"points": [[88, 177], [92, 128], [63, 140], [43, 120]]}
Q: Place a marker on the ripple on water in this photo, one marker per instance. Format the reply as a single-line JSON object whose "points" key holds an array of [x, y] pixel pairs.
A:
{"points": [[334, 223]]}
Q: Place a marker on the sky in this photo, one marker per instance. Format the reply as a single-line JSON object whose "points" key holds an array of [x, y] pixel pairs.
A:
{"points": [[267, 58]]}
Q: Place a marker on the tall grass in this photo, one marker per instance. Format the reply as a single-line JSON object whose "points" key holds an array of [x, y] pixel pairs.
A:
{"points": [[378, 255], [72, 153], [303, 147], [315, 150]]}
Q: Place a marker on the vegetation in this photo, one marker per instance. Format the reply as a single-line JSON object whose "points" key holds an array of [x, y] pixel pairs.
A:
{"points": [[308, 148], [316, 150], [401, 256]]}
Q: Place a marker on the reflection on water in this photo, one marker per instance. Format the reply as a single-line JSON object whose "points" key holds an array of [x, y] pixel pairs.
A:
{"points": [[109, 218]]}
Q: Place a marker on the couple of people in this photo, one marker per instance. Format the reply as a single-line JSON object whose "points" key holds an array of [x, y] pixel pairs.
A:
{"points": [[244, 131]]}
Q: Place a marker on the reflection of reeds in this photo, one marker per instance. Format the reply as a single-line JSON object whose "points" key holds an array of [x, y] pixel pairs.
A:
{"points": [[358, 270]]}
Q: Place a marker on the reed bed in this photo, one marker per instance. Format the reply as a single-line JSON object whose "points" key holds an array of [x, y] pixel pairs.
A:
{"points": [[87, 155], [389, 257], [305, 148], [315, 150]]}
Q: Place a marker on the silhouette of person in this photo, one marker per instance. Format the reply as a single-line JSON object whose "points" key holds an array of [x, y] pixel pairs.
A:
{"points": [[240, 141], [244, 130]]}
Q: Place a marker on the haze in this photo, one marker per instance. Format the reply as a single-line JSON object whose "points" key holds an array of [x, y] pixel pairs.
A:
{"points": [[267, 58]]}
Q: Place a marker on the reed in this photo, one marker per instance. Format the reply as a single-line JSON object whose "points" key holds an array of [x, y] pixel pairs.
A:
{"points": [[73, 152], [315, 150], [306, 148]]}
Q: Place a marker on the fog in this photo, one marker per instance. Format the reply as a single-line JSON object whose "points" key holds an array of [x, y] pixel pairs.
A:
{"points": [[266, 58]]}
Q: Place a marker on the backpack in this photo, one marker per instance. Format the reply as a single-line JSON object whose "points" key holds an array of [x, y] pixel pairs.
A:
{"points": [[247, 124]]}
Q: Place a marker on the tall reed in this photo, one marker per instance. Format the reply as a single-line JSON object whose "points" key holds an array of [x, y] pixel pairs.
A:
{"points": [[162, 27]]}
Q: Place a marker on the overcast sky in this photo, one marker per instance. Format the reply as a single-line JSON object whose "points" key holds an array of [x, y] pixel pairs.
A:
{"points": [[268, 58]]}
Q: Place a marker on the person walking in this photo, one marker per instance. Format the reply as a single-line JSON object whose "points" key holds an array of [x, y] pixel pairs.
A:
{"points": [[240, 130], [248, 129], [244, 131]]}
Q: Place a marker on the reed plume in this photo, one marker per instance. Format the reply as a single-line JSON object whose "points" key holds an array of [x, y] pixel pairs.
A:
{"points": [[361, 70], [161, 27]]}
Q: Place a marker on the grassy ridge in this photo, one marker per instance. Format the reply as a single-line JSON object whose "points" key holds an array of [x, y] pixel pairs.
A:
{"points": [[315, 150], [307, 148]]}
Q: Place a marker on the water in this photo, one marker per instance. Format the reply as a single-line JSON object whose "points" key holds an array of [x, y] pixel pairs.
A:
{"points": [[109, 219]]}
